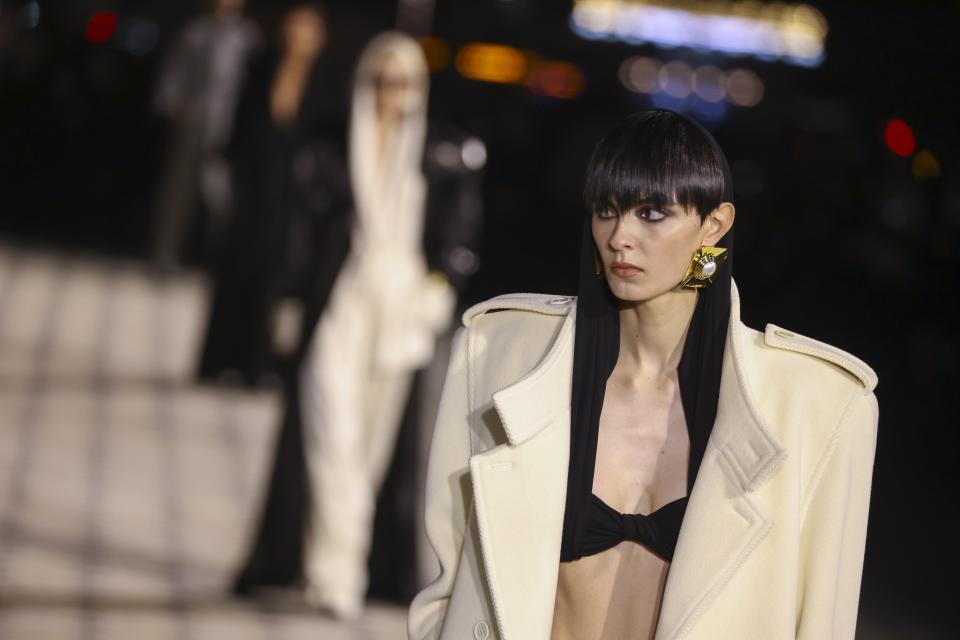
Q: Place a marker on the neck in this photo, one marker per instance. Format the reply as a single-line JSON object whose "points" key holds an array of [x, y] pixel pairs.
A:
{"points": [[385, 130], [652, 333]]}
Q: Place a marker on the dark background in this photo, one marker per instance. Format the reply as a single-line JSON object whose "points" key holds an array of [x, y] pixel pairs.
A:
{"points": [[835, 236]]}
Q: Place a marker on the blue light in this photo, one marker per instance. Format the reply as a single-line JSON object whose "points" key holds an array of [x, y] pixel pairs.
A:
{"points": [[708, 111], [29, 15], [795, 36], [664, 100]]}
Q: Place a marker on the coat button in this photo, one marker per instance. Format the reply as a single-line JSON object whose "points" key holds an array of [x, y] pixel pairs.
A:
{"points": [[559, 300], [783, 333], [481, 631]]}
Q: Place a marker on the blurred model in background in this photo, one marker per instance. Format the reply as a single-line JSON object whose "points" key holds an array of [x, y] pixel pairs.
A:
{"points": [[197, 92], [416, 216], [292, 198]]}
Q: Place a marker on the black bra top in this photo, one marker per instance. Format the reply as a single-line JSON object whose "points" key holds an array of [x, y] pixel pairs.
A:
{"points": [[607, 527]]}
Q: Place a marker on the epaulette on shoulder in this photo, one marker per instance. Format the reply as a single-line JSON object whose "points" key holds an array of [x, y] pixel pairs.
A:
{"points": [[781, 338], [535, 302]]}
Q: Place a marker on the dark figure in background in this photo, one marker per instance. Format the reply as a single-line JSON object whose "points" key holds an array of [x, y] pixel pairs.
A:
{"points": [[290, 214], [197, 91], [416, 216]]}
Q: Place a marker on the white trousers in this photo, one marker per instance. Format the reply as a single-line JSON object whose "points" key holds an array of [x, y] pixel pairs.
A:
{"points": [[351, 412]]}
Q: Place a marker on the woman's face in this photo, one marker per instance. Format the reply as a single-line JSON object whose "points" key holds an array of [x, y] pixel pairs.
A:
{"points": [[304, 33], [394, 89], [646, 251]]}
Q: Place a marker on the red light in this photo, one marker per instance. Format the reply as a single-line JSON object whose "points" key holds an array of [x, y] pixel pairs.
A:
{"points": [[100, 27], [556, 80], [900, 138]]}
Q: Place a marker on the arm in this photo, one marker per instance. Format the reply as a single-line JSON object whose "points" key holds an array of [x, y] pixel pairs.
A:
{"points": [[448, 498], [834, 527]]}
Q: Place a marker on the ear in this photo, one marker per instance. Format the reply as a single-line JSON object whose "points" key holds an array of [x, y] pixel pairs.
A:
{"points": [[716, 225]]}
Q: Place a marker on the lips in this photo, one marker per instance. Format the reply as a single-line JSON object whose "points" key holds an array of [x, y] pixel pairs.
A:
{"points": [[624, 269]]}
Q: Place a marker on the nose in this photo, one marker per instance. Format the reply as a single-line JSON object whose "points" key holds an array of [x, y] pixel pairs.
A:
{"points": [[622, 237]]}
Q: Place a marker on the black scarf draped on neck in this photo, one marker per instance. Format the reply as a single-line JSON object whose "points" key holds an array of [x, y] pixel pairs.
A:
{"points": [[596, 349]]}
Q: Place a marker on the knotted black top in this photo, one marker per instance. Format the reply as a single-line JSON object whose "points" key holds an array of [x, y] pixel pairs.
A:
{"points": [[607, 527], [589, 525]]}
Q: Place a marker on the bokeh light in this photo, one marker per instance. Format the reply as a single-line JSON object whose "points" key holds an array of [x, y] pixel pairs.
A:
{"points": [[709, 83], [100, 27], [29, 15], [640, 74], [560, 80], [676, 79], [744, 88], [925, 165], [492, 63], [437, 52], [707, 111], [899, 138], [792, 33]]}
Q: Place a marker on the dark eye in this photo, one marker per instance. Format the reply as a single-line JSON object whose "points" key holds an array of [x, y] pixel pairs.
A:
{"points": [[605, 213], [653, 215]]}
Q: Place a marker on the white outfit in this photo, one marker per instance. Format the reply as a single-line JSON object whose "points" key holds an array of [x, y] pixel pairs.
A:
{"points": [[383, 316], [772, 541]]}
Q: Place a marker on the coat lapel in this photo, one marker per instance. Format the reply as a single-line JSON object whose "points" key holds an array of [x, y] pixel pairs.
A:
{"points": [[519, 493], [723, 523]]}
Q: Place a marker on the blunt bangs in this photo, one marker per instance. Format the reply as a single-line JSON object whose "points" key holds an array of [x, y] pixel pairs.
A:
{"points": [[654, 158]]}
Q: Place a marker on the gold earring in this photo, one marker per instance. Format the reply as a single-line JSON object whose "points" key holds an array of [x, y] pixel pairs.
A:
{"points": [[598, 265], [704, 267]]}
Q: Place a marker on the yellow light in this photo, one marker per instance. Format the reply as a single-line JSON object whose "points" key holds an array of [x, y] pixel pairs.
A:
{"points": [[492, 63], [793, 32], [925, 165], [436, 51], [810, 17]]}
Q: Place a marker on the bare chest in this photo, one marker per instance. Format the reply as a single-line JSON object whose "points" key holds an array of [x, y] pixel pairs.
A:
{"points": [[643, 448]]}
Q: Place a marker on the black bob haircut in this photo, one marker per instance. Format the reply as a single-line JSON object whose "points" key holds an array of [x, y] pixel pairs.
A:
{"points": [[655, 158]]}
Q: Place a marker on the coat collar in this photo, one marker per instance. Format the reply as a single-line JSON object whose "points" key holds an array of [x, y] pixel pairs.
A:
{"points": [[519, 490], [741, 431], [523, 419], [753, 448], [725, 518]]}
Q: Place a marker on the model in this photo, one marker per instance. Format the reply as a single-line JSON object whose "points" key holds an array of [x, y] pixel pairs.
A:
{"points": [[636, 462], [415, 214], [291, 212], [197, 92]]}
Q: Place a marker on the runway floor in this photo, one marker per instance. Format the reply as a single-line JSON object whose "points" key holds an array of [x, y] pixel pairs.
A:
{"points": [[127, 491]]}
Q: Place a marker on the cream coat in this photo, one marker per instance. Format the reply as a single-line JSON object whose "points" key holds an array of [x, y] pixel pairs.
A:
{"points": [[772, 542]]}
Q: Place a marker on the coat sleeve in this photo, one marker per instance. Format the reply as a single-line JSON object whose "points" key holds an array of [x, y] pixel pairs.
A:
{"points": [[834, 528], [448, 494]]}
